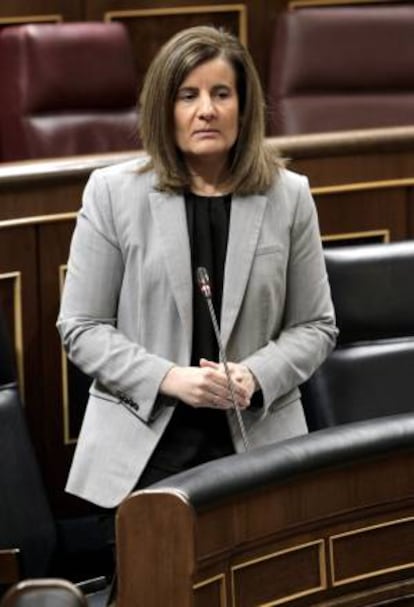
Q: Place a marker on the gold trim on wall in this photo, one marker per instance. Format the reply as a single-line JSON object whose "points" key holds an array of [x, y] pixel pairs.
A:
{"points": [[360, 186], [221, 578], [67, 438], [355, 235], [320, 544], [18, 324], [37, 219], [327, 3], [370, 574], [31, 19], [186, 10]]}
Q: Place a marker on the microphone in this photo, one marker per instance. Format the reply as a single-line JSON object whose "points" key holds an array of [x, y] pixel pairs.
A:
{"points": [[205, 288]]}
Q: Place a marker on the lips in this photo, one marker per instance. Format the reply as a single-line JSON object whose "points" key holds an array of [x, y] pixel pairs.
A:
{"points": [[206, 132]]}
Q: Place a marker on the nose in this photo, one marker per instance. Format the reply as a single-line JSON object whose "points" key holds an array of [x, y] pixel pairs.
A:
{"points": [[206, 109]]}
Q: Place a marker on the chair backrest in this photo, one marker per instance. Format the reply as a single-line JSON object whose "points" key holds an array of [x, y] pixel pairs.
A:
{"points": [[26, 522], [369, 374], [66, 89], [47, 592], [340, 68]]}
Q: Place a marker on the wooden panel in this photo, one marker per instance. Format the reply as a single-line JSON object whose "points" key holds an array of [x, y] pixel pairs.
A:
{"points": [[372, 551], [9, 566], [30, 11], [262, 18], [150, 28], [350, 156], [410, 216], [350, 168], [175, 559], [211, 592], [273, 578], [218, 535], [260, 516], [383, 210], [32, 199]]}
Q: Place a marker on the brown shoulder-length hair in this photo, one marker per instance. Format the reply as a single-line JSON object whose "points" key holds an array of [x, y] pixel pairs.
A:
{"points": [[252, 163]]}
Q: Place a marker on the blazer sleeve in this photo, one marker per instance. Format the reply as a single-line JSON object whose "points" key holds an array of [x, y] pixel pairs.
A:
{"points": [[87, 319], [309, 331]]}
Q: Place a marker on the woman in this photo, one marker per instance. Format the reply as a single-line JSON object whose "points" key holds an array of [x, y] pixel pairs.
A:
{"points": [[209, 193]]}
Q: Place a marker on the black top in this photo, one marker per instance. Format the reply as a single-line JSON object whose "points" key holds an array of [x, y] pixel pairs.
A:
{"points": [[196, 435], [208, 227]]}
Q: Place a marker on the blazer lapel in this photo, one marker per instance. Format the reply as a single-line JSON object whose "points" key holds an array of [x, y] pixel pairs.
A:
{"points": [[245, 224], [170, 217]]}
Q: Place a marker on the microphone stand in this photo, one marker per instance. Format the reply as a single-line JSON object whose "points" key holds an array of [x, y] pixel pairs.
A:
{"points": [[204, 284]]}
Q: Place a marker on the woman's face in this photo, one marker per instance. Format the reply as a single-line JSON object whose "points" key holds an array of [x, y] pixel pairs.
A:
{"points": [[206, 111]]}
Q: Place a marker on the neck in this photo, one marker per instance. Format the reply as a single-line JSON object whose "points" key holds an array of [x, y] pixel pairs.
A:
{"points": [[209, 178]]}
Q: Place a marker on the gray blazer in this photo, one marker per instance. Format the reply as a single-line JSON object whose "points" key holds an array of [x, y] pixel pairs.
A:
{"points": [[126, 315]]}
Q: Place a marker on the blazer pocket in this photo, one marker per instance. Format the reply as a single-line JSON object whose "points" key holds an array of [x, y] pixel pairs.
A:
{"points": [[99, 391], [285, 400], [268, 249]]}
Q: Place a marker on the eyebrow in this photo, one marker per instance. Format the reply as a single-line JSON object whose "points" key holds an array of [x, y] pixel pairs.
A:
{"points": [[214, 87]]}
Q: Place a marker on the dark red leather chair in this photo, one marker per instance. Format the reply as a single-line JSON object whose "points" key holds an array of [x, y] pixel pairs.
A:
{"points": [[341, 68], [66, 89]]}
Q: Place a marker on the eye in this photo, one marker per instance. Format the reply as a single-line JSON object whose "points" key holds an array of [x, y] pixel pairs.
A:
{"points": [[186, 94], [222, 92]]}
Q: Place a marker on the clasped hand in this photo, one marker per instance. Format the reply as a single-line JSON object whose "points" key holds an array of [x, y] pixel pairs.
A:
{"points": [[207, 385]]}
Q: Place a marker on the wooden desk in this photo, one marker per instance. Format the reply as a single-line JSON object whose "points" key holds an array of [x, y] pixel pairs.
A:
{"points": [[325, 520]]}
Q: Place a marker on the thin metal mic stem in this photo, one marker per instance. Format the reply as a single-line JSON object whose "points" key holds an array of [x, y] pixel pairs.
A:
{"points": [[207, 294]]}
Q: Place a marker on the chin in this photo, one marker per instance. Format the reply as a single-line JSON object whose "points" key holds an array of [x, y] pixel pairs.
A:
{"points": [[209, 149]]}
